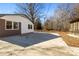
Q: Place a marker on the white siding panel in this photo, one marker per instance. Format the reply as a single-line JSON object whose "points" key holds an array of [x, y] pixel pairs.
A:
{"points": [[24, 22], [78, 25]]}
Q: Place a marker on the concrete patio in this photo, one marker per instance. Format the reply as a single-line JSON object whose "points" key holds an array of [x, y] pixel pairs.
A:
{"points": [[36, 44], [29, 39]]}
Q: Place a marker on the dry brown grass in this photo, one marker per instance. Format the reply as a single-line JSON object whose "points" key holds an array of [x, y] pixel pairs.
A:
{"points": [[71, 41]]}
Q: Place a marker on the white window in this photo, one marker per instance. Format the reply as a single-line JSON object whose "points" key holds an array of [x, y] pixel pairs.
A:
{"points": [[29, 26], [15, 25], [9, 25]]}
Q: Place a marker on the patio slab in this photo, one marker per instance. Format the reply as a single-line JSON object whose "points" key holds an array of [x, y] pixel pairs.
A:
{"points": [[30, 39], [54, 46]]}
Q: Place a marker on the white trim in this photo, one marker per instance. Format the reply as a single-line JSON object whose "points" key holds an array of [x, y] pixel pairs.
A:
{"points": [[78, 25], [21, 20], [30, 26], [18, 25], [12, 26]]}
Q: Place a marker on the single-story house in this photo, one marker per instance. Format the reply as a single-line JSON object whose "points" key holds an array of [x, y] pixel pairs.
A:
{"points": [[14, 24], [74, 26]]}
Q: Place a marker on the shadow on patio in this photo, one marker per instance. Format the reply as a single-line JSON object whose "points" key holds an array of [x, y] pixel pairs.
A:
{"points": [[29, 39]]}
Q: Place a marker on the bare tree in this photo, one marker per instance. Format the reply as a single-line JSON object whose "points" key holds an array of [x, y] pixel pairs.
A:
{"points": [[38, 25], [60, 20], [75, 11], [64, 12], [33, 11]]}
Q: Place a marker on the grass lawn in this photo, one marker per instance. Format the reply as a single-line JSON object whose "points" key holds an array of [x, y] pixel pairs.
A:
{"points": [[71, 41]]}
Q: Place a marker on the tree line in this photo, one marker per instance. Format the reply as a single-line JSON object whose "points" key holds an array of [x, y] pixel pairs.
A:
{"points": [[62, 17], [59, 21], [33, 11]]}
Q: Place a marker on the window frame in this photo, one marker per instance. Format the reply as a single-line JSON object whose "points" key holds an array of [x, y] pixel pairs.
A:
{"points": [[12, 25], [29, 26], [18, 25]]}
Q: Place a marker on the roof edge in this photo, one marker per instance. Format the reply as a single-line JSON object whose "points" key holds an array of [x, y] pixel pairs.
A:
{"points": [[76, 20], [23, 15]]}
